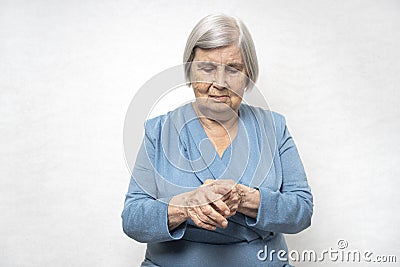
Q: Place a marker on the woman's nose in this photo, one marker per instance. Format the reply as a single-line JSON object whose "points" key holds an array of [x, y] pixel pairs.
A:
{"points": [[219, 80]]}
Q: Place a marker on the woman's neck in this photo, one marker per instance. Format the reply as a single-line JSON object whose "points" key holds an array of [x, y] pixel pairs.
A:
{"points": [[218, 128]]}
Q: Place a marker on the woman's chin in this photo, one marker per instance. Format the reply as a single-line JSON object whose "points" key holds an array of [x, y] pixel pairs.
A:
{"points": [[216, 111]]}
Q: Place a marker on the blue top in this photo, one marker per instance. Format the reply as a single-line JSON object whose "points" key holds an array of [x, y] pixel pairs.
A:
{"points": [[176, 156]]}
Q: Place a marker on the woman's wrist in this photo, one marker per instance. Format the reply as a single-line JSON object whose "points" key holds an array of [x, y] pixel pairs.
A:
{"points": [[249, 200], [177, 211]]}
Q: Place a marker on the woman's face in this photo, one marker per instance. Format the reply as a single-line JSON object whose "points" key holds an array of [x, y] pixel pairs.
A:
{"points": [[218, 78]]}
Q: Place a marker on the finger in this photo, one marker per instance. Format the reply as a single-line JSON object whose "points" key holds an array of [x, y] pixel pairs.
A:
{"points": [[196, 219], [220, 188], [216, 217], [209, 181], [226, 197], [225, 188], [233, 198], [207, 214], [217, 192], [203, 213], [221, 207], [211, 216], [204, 195], [228, 183], [232, 201], [233, 207], [216, 189]]}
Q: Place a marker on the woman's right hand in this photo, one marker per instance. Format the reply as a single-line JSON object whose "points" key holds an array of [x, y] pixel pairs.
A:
{"points": [[203, 205]]}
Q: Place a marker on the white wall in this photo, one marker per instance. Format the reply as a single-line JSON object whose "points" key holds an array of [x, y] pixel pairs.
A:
{"points": [[69, 69]]}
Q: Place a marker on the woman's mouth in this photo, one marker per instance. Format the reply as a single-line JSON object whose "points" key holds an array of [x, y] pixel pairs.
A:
{"points": [[219, 98]]}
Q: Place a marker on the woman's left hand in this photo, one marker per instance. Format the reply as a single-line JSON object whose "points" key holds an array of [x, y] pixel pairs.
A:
{"points": [[241, 198], [231, 199]]}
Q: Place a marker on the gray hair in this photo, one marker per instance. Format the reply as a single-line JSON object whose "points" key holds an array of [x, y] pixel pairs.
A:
{"points": [[219, 30]]}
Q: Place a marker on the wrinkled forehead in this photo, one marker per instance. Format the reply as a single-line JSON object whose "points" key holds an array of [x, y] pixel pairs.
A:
{"points": [[224, 55]]}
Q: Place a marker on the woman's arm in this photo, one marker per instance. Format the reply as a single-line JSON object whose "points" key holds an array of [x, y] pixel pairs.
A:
{"points": [[148, 219], [289, 209], [286, 210], [144, 217]]}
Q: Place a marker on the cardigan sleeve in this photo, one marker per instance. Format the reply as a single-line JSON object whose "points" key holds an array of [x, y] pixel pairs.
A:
{"points": [[289, 209], [144, 217]]}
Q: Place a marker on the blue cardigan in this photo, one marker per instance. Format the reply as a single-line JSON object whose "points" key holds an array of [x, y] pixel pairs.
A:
{"points": [[177, 157]]}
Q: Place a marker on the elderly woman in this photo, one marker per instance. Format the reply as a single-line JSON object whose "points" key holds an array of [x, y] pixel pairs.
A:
{"points": [[217, 182]]}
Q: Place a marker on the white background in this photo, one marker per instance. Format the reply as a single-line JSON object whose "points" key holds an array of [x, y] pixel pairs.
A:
{"points": [[69, 69]]}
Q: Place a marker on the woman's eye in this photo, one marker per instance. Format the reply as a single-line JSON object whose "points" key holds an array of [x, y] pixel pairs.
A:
{"points": [[232, 70], [208, 70]]}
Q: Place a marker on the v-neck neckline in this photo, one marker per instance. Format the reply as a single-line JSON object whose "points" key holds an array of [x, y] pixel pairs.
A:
{"points": [[204, 160], [205, 136]]}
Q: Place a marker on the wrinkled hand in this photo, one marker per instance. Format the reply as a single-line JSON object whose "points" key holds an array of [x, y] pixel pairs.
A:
{"points": [[231, 199], [205, 205], [241, 198]]}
